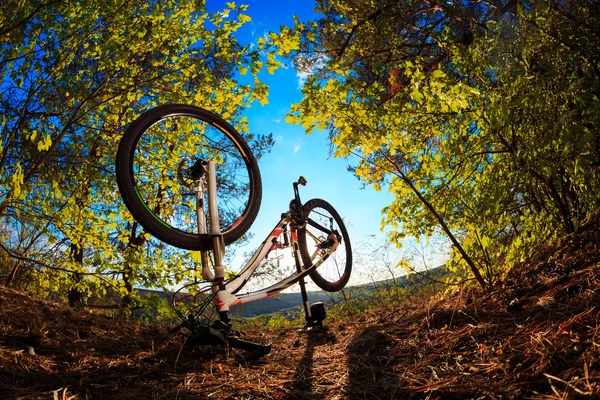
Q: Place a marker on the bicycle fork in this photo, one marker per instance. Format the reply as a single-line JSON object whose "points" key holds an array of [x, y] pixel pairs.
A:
{"points": [[217, 276], [221, 330]]}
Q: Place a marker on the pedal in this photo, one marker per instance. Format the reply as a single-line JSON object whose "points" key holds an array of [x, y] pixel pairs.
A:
{"points": [[317, 315], [317, 311]]}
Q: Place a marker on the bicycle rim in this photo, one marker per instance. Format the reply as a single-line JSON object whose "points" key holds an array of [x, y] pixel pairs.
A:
{"points": [[159, 185], [315, 242]]}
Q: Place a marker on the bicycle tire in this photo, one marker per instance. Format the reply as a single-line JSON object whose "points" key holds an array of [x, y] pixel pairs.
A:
{"points": [[152, 186], [333, 274]]}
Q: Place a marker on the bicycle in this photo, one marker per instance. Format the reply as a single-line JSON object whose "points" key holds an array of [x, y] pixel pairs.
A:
{"points": [[172, 163]]}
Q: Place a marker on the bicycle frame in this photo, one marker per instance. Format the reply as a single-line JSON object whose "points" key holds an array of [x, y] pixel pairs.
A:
{"points": [[227, 292], [230, 297]]}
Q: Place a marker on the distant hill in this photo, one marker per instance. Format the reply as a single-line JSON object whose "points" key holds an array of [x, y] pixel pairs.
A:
{"points": [[289, 301]]}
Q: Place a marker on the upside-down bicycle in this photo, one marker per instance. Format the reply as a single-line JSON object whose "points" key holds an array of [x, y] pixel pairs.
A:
{"points": [[190, 179]]}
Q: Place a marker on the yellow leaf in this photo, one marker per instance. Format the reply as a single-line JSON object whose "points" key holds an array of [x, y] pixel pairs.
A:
{"points": [[45, 143], [438, 74]]}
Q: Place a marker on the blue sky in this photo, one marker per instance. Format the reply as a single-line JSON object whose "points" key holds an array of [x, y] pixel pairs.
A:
{"points": [[296, 153]]}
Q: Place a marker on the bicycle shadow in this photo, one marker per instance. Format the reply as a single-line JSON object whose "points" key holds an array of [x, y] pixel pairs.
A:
{"points": [[370, 367], [303, 383]]}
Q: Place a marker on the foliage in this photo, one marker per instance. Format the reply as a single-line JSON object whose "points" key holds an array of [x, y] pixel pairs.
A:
{"points": [[73, 76], [157, 309], [289, 319], [481, 118], [387, 295]]}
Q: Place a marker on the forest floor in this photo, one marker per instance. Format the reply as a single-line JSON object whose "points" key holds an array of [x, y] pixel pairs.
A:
{"points": [[535, 336]]}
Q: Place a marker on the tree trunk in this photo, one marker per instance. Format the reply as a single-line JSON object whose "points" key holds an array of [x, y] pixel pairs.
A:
{"points": [[136, 241], [74, 296], [441, 221]]}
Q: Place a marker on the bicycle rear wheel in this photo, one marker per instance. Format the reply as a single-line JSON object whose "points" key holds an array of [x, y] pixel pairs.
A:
{"points": [[156, 168], [323, 229]]}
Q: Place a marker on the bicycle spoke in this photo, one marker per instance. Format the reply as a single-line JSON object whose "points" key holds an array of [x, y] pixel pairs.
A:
{"points": [[157, 176]]}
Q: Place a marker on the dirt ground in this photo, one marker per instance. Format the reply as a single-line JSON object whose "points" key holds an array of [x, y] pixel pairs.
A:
{"points": [[536, 336]]}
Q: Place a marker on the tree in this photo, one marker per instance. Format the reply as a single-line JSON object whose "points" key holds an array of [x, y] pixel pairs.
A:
{"points": [[74, 75], [479, 117]]}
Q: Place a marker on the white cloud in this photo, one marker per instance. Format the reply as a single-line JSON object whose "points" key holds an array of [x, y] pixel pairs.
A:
{"points": [[277, 121], [296, 148], [308, 67], [302, 76]]}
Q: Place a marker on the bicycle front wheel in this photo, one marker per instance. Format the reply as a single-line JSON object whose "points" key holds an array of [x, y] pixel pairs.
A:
{"points": [[158, 174], [324, 230]]}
